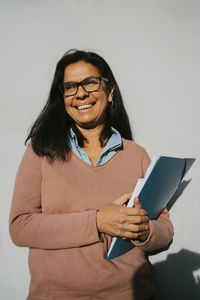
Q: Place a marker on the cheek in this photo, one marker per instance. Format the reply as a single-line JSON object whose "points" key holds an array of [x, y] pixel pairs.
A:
{"points": [[67, 106], [104, 103], [103, 100]]}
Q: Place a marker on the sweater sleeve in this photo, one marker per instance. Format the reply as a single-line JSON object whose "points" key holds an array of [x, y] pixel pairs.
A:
{"points": [[30, 227], [161, 229], [161, 233]]}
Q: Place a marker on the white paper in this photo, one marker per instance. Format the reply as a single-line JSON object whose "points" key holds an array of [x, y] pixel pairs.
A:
{"points": [[141, 181]]}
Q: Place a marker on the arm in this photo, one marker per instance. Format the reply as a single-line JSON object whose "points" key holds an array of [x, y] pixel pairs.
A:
{"points": [[29, 227], [132, 223]]}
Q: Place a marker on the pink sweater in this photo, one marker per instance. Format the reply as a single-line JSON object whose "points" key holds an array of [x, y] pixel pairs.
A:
{"points": [[54, 214]]}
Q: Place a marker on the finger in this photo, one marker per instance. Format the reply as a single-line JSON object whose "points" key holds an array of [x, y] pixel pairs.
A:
{"points": [[137, 219], [132, 211], [136, 235], [137, 228], [137, 203], [123, 199]]}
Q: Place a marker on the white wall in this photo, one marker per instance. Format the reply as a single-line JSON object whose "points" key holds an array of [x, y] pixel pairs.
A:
{"points": [[153, 49]]}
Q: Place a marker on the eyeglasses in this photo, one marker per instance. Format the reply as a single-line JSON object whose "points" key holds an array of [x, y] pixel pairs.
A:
{"points": [[89, 84]]}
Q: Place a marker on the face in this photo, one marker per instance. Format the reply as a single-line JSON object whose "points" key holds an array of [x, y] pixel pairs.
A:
{"points": [[94, 113]]}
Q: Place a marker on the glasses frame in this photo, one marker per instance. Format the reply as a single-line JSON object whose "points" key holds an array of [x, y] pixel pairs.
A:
{"points": [[81, 83]]}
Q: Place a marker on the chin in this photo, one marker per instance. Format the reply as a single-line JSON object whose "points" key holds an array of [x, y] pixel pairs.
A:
{"points": [[89, 124]]}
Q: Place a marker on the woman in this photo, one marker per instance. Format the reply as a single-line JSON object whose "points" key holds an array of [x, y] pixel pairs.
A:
{"points": [[75, 177]]}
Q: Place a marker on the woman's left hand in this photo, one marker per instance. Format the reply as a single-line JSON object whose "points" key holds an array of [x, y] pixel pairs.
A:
{"points": [[116, 219]]}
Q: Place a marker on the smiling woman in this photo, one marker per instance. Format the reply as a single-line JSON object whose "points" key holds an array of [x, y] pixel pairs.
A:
{"points": [[87, 107], [50, 134], [71, 187]]}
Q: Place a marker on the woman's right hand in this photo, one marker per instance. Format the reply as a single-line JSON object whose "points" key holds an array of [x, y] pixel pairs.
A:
{"points": [[118, 220]]}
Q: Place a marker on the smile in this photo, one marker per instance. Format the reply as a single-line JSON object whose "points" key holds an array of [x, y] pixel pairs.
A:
{"points": [[80, 107]]}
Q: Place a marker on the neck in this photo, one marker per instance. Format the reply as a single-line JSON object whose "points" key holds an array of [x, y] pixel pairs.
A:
{"points": [[91, 134]]}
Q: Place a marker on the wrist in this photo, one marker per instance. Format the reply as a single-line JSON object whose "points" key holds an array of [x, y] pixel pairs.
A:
{"points": [[98, 220]]}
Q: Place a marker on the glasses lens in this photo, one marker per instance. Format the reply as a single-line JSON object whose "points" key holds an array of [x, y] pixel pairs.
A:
{"points": [[91, 84], [69, 88]]}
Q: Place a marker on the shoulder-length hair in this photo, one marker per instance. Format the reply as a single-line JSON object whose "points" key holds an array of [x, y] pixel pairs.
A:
{"points": [[50, 132]]}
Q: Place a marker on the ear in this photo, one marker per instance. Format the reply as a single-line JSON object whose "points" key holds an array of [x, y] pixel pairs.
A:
{"points": [[110, 96]]}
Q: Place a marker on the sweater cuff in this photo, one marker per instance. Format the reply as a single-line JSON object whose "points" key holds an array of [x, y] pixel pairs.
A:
{"points": [[95, 234]]}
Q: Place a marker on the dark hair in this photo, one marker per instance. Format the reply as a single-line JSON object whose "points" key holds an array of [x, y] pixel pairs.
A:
{"points": [[50, 132]]}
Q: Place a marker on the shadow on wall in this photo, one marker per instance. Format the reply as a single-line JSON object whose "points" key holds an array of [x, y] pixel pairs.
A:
{"points": [[178, 193], [178, 277]]}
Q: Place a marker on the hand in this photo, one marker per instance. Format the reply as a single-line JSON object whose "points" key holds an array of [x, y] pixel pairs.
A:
{"points": [[145, 233], [116, 219]]}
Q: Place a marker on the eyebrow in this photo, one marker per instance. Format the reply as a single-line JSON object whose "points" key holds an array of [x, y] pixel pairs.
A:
{"points": [[81, 80], [69, 82]]}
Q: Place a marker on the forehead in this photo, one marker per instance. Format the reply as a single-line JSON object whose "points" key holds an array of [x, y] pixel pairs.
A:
{"points": [[79, 71]]}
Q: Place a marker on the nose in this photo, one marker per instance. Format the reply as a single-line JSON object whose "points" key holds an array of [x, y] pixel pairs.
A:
{"points": [[81, 93]]}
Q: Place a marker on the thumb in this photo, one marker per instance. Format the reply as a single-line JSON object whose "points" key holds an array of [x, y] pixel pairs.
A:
{"points": [[137, 203], [123, 199]]}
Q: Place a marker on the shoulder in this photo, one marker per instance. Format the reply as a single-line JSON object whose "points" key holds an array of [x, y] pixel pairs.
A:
{"points": [[30, 167], [132, 147], [30, 151], [136, 153], [30, 159]]}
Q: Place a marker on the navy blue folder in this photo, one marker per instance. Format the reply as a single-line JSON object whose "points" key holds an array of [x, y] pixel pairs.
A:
{"points": [[158, 189]]}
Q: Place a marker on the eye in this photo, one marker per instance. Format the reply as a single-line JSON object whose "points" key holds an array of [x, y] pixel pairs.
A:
{"points": [[91, 81], [91, 84], [69, 86]]}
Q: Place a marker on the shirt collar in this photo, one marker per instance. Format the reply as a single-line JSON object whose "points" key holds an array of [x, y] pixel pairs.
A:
{"points": [[114, 142], [73, 138]]}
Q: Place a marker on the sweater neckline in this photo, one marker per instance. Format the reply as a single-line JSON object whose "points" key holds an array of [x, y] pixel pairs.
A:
{"points": [[98, 166]]}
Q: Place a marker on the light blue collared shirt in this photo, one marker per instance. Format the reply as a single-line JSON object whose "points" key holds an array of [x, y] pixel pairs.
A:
{"points": [[114, 143]]}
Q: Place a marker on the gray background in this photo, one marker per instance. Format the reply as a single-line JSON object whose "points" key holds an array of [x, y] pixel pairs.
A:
{"points": [[153, 49]]}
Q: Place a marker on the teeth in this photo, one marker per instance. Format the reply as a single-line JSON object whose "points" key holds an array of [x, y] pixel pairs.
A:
{"points": [[84, 106]]}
